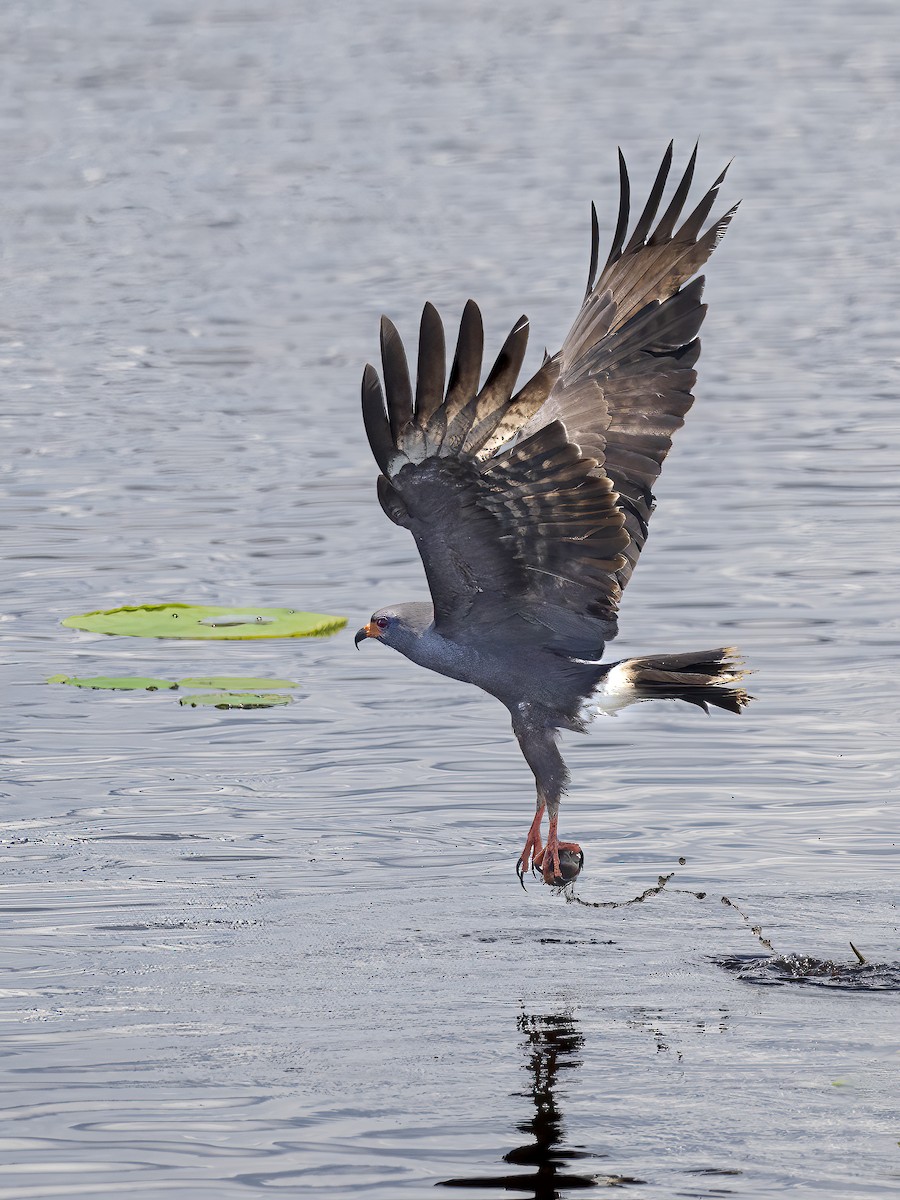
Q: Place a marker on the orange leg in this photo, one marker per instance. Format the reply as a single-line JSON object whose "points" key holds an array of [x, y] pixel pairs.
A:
{"points": [[548, 860], [533, 846]]}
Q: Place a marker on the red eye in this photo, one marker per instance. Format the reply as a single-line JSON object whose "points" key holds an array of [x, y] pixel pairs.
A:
{"points": [[381, 622]]}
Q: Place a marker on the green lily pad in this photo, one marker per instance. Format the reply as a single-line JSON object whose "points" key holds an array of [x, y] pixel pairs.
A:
{"points": [[206, 622], [233, 682], [235, 700], [126, 683]]}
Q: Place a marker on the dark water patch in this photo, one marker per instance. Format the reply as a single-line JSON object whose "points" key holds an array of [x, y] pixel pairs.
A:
{"points": [[233, 857], [547, 940], [777, 969], [774, 968], [715, 1171], [146, 837], [167, 926], [709, 1194], [558, 941]]}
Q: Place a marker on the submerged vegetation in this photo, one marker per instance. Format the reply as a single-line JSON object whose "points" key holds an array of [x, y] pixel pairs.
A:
{"points": [[243, 692]]}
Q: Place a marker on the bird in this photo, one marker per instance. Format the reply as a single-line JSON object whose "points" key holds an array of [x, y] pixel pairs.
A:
{"points": [[530, 507]]}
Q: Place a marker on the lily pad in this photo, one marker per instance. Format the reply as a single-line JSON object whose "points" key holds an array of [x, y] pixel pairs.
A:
{"points": [[206, 622], [126, 683], [234, 682], [235, 700]]}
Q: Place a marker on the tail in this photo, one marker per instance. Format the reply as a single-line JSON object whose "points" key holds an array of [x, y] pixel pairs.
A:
{"points": [[703, 678]]}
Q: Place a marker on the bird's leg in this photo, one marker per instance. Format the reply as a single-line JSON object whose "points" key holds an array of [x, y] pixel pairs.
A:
{"points": [[533, 843], [548, 861], [538, 743]]}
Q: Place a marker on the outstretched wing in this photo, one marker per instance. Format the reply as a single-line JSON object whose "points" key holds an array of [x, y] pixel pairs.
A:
{"points": [[531, 530], [627, 365], [536, 503]]}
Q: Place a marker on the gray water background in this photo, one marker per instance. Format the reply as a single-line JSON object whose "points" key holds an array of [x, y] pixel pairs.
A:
{"points": [[285, 951]]}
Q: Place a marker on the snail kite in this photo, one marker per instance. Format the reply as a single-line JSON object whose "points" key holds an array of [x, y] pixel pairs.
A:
{"points": [[530, 508]]}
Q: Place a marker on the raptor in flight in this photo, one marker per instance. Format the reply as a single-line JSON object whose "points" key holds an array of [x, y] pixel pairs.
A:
{"points": [[530, 508]]}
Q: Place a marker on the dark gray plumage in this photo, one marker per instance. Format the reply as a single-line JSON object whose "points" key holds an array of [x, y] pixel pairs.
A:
{"points": [[530, 508]]}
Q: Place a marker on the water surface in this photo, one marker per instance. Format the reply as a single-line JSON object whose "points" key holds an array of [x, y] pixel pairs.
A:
{"points": [[285, 950]]}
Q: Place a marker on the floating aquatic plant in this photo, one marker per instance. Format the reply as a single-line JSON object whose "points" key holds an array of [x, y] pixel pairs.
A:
{"points": [[235, 700], [205, 622], [125, 683]]}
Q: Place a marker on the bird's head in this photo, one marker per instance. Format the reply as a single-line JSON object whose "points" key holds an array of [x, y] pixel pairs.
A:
{"points": [[399, 626]]}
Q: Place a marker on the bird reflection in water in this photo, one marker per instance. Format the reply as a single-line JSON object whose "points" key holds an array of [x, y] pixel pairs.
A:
{"points": [[552, 1044]]}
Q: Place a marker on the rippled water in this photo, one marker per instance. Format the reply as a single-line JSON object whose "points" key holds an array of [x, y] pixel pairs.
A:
{"points": [[285, 950]]}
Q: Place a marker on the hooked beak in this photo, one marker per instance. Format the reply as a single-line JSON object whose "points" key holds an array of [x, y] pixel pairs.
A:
{"points": [[367, 631]]}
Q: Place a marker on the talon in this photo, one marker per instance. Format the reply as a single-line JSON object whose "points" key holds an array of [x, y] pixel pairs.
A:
{"points": [[533, 847]]}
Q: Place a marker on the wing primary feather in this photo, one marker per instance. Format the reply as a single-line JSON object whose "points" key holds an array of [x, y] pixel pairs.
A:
{"points": [[523, 405], [595, 253], [432, 364], [503, 374], [663, 231], [624, 213], [694, 223], [397, 386], [532, 394], [466, 370], [375, 419], [721, 178], [646, 218], [484, 412], [716, 231]]}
